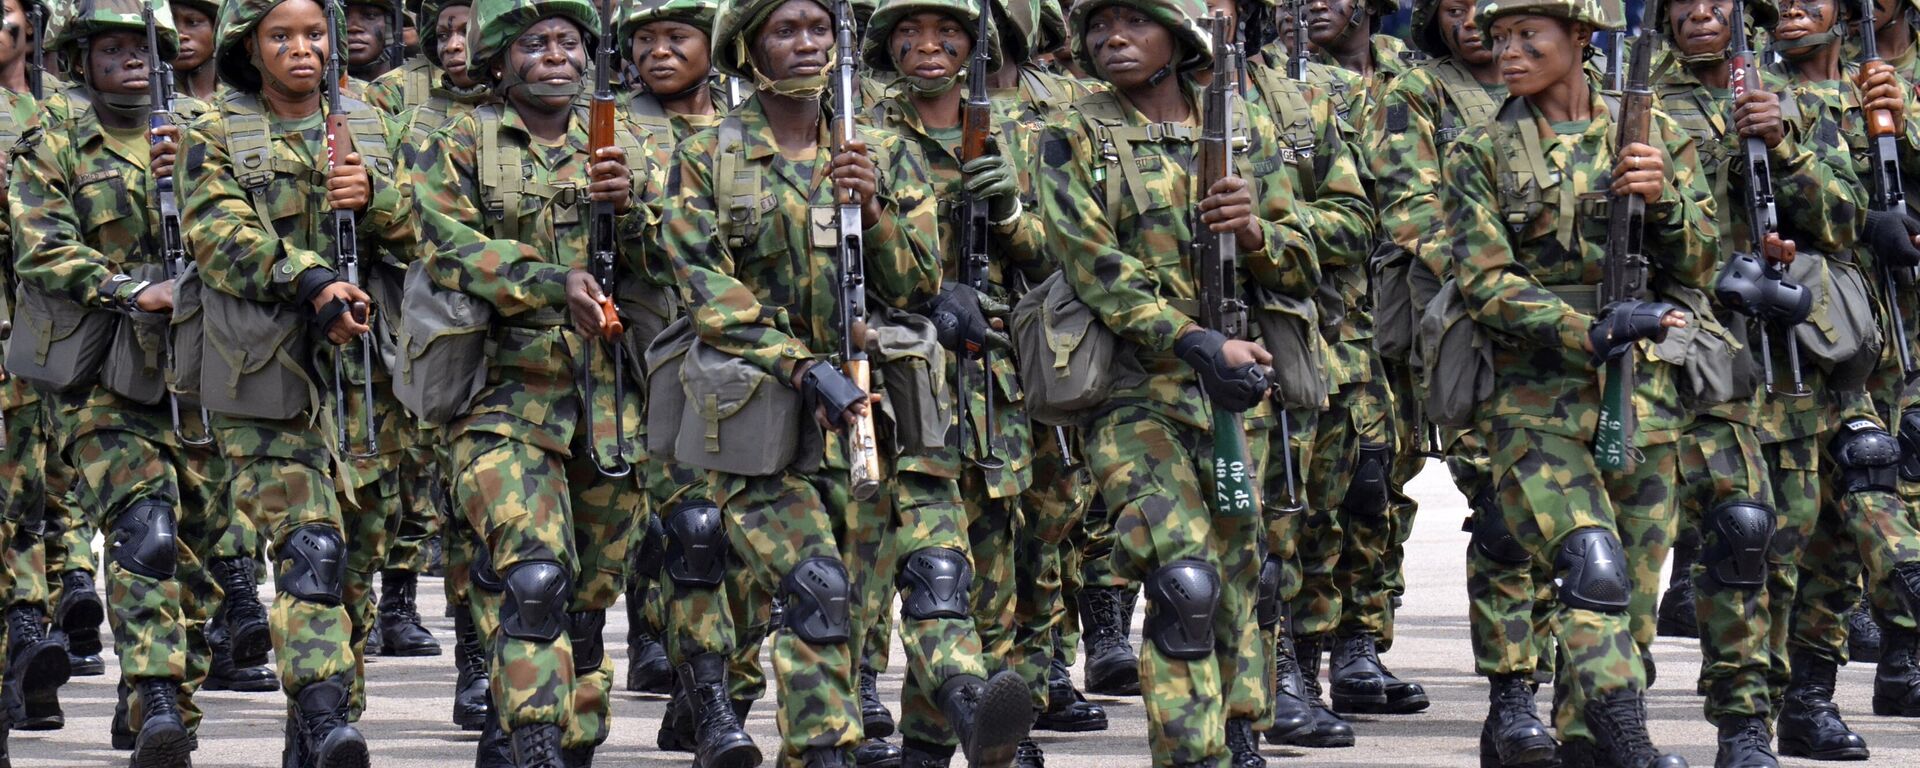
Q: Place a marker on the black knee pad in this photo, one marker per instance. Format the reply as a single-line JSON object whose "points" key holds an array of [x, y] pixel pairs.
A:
{"points": [[1910, 445], [313, 564], [1867, 455], [144, 540], [1734, 549], [935, 582], [696, 544], [589, 650], [651, 554], [1591, 571], [536, 605], [481, 571], [819, 599], [1183, 596], [1268, 607], [1494, 541], [1367, 491]]}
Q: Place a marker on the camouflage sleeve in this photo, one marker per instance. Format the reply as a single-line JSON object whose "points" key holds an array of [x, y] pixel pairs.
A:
{"points": [[1500, 293], [237, 253], [1119, 287], [388, 217], [1285, 261], [511, 275], [1341, 217], [903, 247], [387, 92], [1817, 192], [1684, 226], [1406, 170], [1024, 238], [51, 252], [640, 226], [724, 311]]}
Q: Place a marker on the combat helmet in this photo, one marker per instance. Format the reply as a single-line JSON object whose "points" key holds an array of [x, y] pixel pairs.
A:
{"points": [[873, 48], [428, 27], [1180, 17], [1600, 15], [697, 13], [496, 23], [209, 7], [733, 28], [238, 20], [74, 22]]}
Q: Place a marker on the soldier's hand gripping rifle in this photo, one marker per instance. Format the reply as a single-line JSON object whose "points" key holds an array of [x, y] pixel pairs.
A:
{"points": [[346, 242], [976, 235], [1888, 197], [1753, 283], [173, 249], [863, 452], [1624, 275], [603, 263]]}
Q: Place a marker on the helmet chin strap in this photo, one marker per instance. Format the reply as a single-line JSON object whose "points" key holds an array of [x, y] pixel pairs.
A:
{"points": [[802, 87], [513, 78], [1807, 46], [135, 106]]}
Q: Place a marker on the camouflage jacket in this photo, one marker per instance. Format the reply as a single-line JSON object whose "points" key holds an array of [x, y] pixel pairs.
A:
{"points": [[510, 239], [1528, 230], [1117, 195], [1361, 93], [17, 110], [1422, 112]]}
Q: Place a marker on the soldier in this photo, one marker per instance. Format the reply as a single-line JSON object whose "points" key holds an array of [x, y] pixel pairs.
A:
{"points": [[283, 468], [1145, 447], [195, 21], [1530, 285], [369, 31]]}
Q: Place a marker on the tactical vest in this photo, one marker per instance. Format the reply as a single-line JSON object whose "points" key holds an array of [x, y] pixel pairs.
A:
{"points": [[250, 143], [1523, 176], [504, 181], [1120, 174], [646, 111], [416, 85], [1469, 98], [739, 194], [1293, 117]]}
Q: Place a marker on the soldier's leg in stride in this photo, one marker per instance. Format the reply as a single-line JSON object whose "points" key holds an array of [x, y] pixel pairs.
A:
{"points": [[1298, 715], [699, 574], [604, 515], [1501, 602], [1106, 601], [1360, 682], [237, 633], [1646, 520], [648, 667], [78, 609], [1876, 539], [37, 665], [1051, 508], [1412, 435], [876, 648], [416, 521], [371, 512], [1801, 678]]}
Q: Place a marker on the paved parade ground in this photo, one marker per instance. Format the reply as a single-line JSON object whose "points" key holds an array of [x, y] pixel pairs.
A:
{"points": [[410, 699]]}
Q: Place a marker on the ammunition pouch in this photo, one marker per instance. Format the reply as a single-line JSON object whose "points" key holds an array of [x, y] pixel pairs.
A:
{"points": [[1841, 335], [1069, 360], [1457, 360], [908, 359], [58, 345], [1395, 320], [133, 367], [1712, 370], [647, 309], [443, 349], [666, 397], [189, 329], [258, 366], [739, 419], [1289, 330]]}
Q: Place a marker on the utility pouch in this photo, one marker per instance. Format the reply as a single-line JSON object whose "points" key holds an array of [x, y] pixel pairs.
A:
{"points": [[442, 349], [1290, 331], [739, 419], [1068, 359], [58, 345], [908, 357], [1705, 351], [666, 397], [134, 365], [647, 309], [1458, 360], [256, 362], [1395, 320], [1841, 336], [189, 329]]}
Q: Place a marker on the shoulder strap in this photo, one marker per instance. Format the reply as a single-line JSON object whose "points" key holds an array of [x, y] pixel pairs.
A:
{"points": [[1467, 95], [1294, 112], [646, 111], [417, 88], [251, 147], [370, 135], [736, 184], [502, 183]]}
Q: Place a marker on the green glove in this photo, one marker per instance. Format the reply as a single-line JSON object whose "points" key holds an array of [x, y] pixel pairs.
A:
{"points": [[992, 178]]}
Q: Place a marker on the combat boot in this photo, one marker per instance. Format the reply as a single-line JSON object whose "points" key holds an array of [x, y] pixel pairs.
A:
{"points": [[1618, 721], [241, 612], [1243, 745], [875, 720], [401, 633], [537, 745], [877, 753], [162, 742], [676, 724], [1113, 669], [1362, 684], [920, 754], [1896, 681], [36, 668], [120, 728], [79, 613], [1067, 710], [719, 741], [222, 675], [495, 750], [1810, 724], [1293, 716], [1676, 616], [319, 730], [648, 670], [80, 665], [1513, 734], [1863, 634], [990, 717], [1745, 742], [471, 704], [826, 757], [1330, 731], [1029, 755]]}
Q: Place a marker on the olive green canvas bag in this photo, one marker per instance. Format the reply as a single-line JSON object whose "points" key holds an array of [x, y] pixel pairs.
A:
{"points": [[189, 329], [59, 345], [136, 361], [1458, 359], [666, 397], [1069, 360], [911, 367], [443, 349], [255, 364], [1290, 331], [739, 419]]}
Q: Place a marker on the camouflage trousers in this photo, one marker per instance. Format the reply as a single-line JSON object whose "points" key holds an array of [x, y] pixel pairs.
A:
{"points": [[125, 453], [1344, 557], [688, 618], [1249, 684], [1411, 434], [1509, 604], [421, 493], [1050, 509], [69, 529], [1547, 487], [371, 500], [1147, 467], [1723, 461], [532, 505], [1856, 535], [23, 505]]}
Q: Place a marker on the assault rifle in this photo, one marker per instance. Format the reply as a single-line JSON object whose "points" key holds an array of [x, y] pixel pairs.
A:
{"points": [[1297, 47], [976, 234], [173, 249], [1624, 275], [1887, 196], [603, 262], [397, 35], [863, 453], [1216, 260], [346, 240], [37, 61]]}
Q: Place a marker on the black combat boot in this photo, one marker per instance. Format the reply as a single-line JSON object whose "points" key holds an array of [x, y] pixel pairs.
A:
{"points": [[719, 741], [1513, 734], [1067, 710], [1745, 742], [1113, 669], [1676, 616], [1243, 745], [1029, 755], [495, 750], [1618, 721], [537, 745], [990, 717], [36, 668], [222, 675], [1896, 680], [920, 754], [120, 728], [1863, 634], [471, 702], [875, 720], [1361, 684], [401, 633], [826, 757], [319, 732], [241, 612], [676, 724], [1329, 730], [80, 613], [80, 665], [1293, 716], [648, 670], [162, 742], [1810, 724], [877, 753]]}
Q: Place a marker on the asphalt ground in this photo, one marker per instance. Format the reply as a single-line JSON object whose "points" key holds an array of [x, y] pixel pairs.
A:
{"points": [[407, 719]]}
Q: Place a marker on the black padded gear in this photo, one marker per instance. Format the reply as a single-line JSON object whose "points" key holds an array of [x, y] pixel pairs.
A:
{"points": [[1268, 608], [935, 583], [696, 544], [819, 600], [589, 649], [1623, 323], [1868, 457], [1182, 597], [145, 541], [482, 572], [313, 564], [1494, 540], [1367, 491], [536, 605], [1910, 445], [1591, 571], [1734, 549], [650, 557], [826, 386]]}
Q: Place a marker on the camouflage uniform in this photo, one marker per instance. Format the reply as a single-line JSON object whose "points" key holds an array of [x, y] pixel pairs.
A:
{"points": [[1523, 285]]}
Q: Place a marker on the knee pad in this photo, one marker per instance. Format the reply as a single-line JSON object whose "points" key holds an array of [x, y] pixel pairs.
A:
{"points": [[536, 605], [1183, 596], [696, 544], [935, 581], [1494, 541], [1735, 546], [1867, 455], [589, 650], [1910, 445], [313, 564], [481, 571], [1367, 491], [1591, 571], [1267, 607], [819, 599], [144, 540], [651, 554]]}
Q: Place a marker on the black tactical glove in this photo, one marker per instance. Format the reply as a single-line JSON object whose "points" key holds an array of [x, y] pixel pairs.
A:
{"points": [[962, 326], [826, 386], [1624, 322], [1890, 236], [1235, 389], [308, 285]]}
